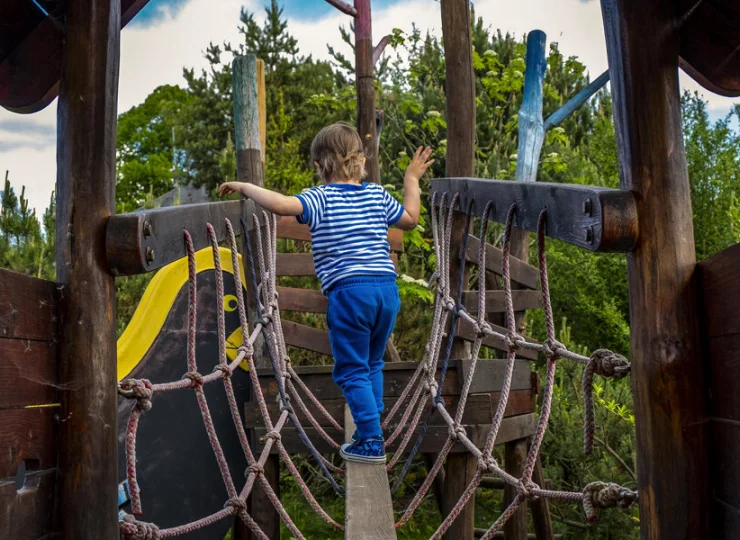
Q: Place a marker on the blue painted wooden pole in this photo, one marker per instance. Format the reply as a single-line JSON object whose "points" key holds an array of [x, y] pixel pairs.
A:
{"points": [[531, 126], [576, 101]]}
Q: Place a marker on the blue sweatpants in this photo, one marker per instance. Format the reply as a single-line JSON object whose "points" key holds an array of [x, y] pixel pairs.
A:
{"points": [[361, 314]]}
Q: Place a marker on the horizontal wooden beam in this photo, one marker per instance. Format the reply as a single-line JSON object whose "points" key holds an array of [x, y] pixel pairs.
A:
{"points": [[594, 218], [495, 300], [512, 428], [521, 272], [289, 228], [146, 240], [27, 307], [306, 337], [301, 264], [465, 332], [500, 536], [344, 7], [304, 300]]}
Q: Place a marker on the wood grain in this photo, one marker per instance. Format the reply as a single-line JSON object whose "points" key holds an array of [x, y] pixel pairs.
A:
{"points": [[301, 264], [28, 373], [289, 228], [521, 272], [306, 337], [27, 307], [86, 180], [495, 301], [515, 456], [368, 504], [28, 513], [365, 83], [304, 300], [667, 373], [27, 435]]}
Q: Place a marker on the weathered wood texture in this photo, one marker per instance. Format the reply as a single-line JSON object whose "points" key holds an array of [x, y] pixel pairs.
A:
{"points": [[597, 219], [368, 504], [720, 290], [147, 240], [289, 228], [460, 159], [667, 373], [86, 158], [26, 307], [512, 428], [541, 507], [365, 82], [306, 337], [495, 302], [301, 264], [515, 454], [521, 272]]}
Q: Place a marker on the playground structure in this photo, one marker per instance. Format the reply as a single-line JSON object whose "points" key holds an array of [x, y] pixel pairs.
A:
{"points": [[684, 331]]}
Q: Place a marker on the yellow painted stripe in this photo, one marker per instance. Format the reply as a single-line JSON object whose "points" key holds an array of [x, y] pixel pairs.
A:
{"points": [[155, 305]]}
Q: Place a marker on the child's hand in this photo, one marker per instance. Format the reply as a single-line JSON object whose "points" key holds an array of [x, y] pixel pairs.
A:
{"points": [[419, 163], [228, 188]]}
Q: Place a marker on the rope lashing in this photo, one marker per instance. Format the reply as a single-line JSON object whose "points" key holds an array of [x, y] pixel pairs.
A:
{"points": [[238, 504], [604, 363], [139, 389], [196, 379], [138, 530], [600, 495]]}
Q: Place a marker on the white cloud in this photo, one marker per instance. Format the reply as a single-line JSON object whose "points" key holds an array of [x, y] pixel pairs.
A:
{"points": [[155, 54]]}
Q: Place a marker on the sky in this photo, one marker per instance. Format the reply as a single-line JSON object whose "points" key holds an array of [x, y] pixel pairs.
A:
{"points": [[171, 34]]}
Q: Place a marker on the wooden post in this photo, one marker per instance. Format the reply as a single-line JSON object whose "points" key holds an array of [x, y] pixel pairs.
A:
{"points": [[541, 507], [250, 168], [87, 502], [667, 375], [369, 508], [365, 82], [460, 115]]}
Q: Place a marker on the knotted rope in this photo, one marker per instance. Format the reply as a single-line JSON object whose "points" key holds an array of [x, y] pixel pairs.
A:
{"points": [[604, 363], [597, 495]]}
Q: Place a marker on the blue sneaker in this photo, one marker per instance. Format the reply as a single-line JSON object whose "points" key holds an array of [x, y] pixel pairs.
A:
{"points": [[369, 450]]}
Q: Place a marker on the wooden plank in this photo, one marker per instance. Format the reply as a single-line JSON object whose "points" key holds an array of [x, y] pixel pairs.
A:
{"points": [[725, 465], [365, 84], [478, 410], [495, 301], [521, 272], [723, 356], [28, 373], [27, 435], [306, 337], [515, 455], [28, 513], [318, 379], [344, 7], [465, 332], [512, 428], [304, 300], [27, 307], [289, 228], [667, 373], [479, 532], [301, 264], [721, 292], [146, 240], [594, 218], [85, 199], [368, 504], [250, 168]]}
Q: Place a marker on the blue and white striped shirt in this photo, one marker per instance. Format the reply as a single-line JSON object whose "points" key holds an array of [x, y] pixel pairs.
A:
{"points": [[349, 230]]}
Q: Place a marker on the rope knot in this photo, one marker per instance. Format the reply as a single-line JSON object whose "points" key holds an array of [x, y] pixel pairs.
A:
{"points": [[553, 349], [608, 364], [488, 463], [255, 469], [597, 495], [513, 341], [224, 369], [456, 431], [138, 530], [482, 329], [139, 389], [285, 405], [196, 379], [275, 435], [266, 319], [247, 349], [237, 504], [526, 489]]}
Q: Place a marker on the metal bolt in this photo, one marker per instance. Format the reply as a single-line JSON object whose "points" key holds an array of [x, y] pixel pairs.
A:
{"points": [[587, 207], [147, 229], [149, 254], [262, 440], [590, 235]]}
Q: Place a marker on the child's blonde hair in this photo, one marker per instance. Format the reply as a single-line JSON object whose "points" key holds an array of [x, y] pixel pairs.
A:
{"points": [[338, 151]]}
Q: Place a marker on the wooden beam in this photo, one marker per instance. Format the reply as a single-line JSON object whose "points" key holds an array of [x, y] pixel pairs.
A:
{"points": [[301, 264], [460, 160], [365, 82], [344, 7], [479, 532], [521, 272], [262, 108], [85, 194], [369, 508], [306, 337], [468, 334], [289, 228], [515, 454], [305, 300], [27, 307], [667, 373], [541, 507], [250, 168], [594, 218], [144, 241], [495, 301]]}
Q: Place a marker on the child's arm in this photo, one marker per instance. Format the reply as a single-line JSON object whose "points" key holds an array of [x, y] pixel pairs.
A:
{"points": [[276, 203], [411, 190]]}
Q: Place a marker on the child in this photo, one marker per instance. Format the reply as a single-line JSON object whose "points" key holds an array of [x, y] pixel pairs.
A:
{"points": [[349, 221]]}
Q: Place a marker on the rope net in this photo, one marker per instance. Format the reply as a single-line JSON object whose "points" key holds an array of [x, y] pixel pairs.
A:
{"points": [[423, 392]]}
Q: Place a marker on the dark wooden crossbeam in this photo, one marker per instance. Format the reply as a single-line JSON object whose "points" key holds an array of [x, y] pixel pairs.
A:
{"points": [[144, 241], [598, 219]]}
